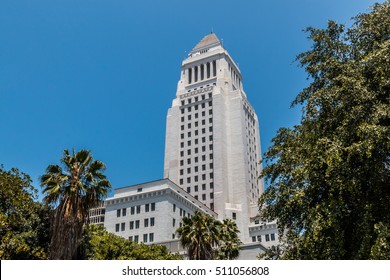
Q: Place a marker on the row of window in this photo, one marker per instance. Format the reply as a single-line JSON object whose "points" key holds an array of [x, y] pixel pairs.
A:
{"points": [[202, 72], [146, 238], [136, 209], [196, 99], [196, 141], [196, 178], [268, 237], [196, 159], [196, 124], [196, 150], [149, 222], [196, 188], [196, 168], [196, 107], [196, 132]]}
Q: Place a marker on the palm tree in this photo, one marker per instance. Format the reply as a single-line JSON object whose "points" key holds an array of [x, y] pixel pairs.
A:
{"points": [[199, 234], [229, 244], [72, 191]]}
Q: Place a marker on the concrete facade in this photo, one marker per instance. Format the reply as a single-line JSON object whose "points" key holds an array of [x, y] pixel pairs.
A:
{"points": [[212, 141], [150, 212]]}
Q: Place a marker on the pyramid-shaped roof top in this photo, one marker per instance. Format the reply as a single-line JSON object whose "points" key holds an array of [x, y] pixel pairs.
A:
{"points": [[210, 39]]}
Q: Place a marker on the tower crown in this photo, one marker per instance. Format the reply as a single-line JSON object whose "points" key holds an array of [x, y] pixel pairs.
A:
{"points": [[209, 41]]}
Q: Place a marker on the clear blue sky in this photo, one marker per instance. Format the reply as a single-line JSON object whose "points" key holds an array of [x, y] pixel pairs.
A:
{"points": [[101, 75]]}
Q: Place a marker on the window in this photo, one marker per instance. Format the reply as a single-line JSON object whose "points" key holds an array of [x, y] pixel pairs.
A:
{"points": [[189, 125], [139, 190], [174, 206], [181, 181], [211, 156], [130, 238], [118, 212], [189, 117], [146, 222], [123, 225], [182, 153], [188, 143], [117, 227], [272, 236], [152, 222], [210, 111], [253, 238], [136, 238], [181, 162], [211, 165], [132, 225], [267, 237], [189, 134], [146, 207], [196, 159], [212, 206], [153, 206], [174, 222], [203, 130], [196, 115], [259, 238], [203, 158], [196, 188], [138, 209], [182, 118], [210, 129], [196, 140], [203, 148], [151, 237], [196, 197], [189, 180], [196, 178], [203, 139], [188, 160], [211, 175], [210, 103], [173, 236], [203, 187], [181, 172], [203, 113], [203, 96], [182, 136], [182, 145], [188, 189], [203, 122], [211, 195], [137, 224], [211, 185], [203, 106], [203, 176], [196, 150], [182, 127], [189, 170], [132, 209], [203, 167], [196, 168], [234, 216], [145, 238], [124, 212], [214, 68], [203, 196]]}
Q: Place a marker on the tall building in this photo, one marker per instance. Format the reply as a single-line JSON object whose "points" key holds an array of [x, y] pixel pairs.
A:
{"points": [[212, 161], [212, 145]]}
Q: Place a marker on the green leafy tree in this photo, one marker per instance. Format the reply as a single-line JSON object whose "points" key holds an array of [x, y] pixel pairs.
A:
{"points": [[329, 176], [98, 244], [72, 190], [24, 222], [208, 239]]}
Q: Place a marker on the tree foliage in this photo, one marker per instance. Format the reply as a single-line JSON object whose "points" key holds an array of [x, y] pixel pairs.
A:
{"points": [[72, 190], [98, 244], [24, 222], [208, 239], [329, 176]]}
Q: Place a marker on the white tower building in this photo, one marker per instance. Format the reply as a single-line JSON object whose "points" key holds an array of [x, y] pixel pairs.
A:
{"points": [[212, 147]]}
